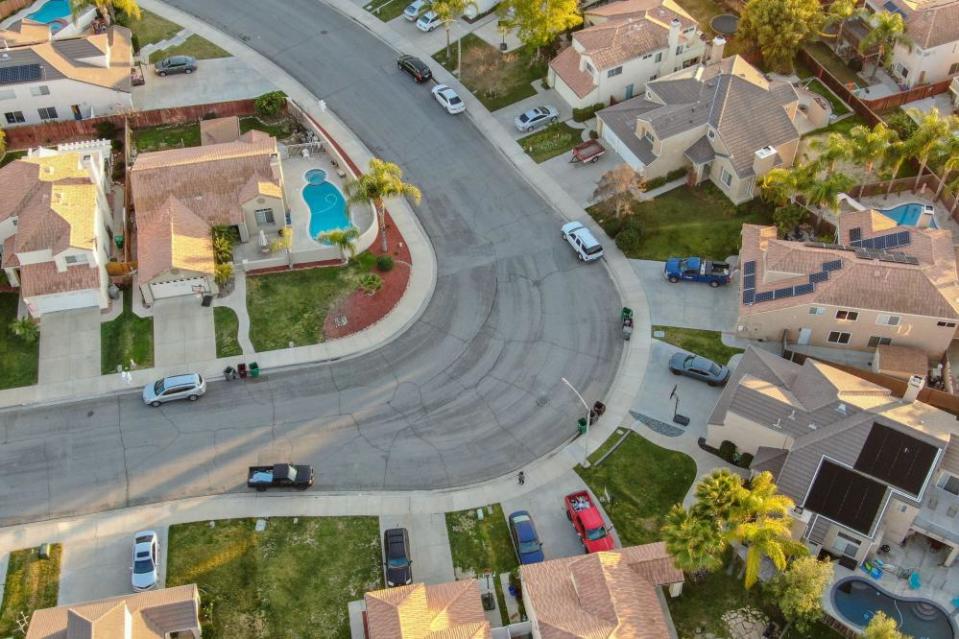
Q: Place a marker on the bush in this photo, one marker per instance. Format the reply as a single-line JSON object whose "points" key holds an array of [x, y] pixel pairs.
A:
{"points": [[269, 104], [222, 273], [745, 460], [593, 134], [786, 218], [224, 238], [26, 329], [119, 171], [581, 115], [677, 173], [613, 226], [371, 283], [106, 130], [900, 122], [384, 263], [727, 450], [135, 43], [629, 240], [209, 115]]}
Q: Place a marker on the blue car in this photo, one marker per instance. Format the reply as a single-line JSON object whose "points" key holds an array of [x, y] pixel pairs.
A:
{"points": [[529, 549]]}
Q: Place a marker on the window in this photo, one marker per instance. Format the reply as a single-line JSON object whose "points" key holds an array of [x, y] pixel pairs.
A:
{"points": [[614, 72], [954, 69], [659, 57], [887, 320], [679, 50], [48, 113], [726, 177], [875, 341], [649, 136], [838, 337], [950, 484], [847, 545], [852, 316], [817, 310], [7, 94], [14, 117], [75, 259], [264, 216], [589, 68], [40, 90], [711, 134], [651, 78], [946, 324], [647, 56]]}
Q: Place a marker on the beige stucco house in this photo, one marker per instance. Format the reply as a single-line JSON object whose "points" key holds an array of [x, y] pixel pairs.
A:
{"points": [[724, 120], [421, 611]]}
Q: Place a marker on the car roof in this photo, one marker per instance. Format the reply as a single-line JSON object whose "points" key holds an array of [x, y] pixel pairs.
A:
{"points": [[586, 235], [173, 380], [702, 362]]}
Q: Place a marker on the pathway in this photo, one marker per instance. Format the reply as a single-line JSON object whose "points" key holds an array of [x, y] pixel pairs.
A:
{"points": [[173, 41], [236, 301]]}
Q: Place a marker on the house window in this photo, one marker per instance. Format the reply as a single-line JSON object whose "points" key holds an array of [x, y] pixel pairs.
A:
{"points": [[852, 316], [14, 117], [41, 89], [647, 56], [649, 136], [264, 216], [651, 78], [875, 341], [838, 337], [48, 113], [726, 177], [8, 94], [954, 68], [679, 50], [950, 484], [75, 259], [614, 72], [887, 320], [711, 134], [845, 544], [816, 310], [946, 324], [659, 57], [589, 68]]}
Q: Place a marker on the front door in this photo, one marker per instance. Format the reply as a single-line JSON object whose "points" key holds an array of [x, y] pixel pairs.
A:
{"points": [[629, 91], [804, 335], [76, 112]]}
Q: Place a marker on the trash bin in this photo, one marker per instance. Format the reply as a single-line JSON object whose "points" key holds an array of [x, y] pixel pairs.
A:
{"points": [[241, 369], [254, 369], [229, 373], [581, 426]]}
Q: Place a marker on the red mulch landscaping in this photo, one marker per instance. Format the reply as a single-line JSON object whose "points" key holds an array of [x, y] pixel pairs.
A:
{"points": [[362, 310]]}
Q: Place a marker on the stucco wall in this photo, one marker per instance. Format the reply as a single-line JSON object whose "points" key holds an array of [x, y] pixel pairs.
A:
{"points": [[746, 434], [92, 100], [925, 65], [275, 204]]}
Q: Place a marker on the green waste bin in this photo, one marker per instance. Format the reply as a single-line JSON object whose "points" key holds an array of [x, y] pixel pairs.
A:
{"points": [[581, 426], [118, 240], [254, 369]]}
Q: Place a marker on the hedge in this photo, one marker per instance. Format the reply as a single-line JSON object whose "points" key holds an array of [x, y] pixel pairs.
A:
{"points": [[581, 115]]}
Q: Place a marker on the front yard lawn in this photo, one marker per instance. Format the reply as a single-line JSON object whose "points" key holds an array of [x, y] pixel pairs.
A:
{"points": [[497, 79], [226, 325], [643, 481], [838, 106], [706, 343], [159, 138], [126, 338], [199, 48], [481, 545], [151, 28], [833, 63], [19, 358], [687, 221], [293, 579], [554, 140], [32, 584], [386, 10]]}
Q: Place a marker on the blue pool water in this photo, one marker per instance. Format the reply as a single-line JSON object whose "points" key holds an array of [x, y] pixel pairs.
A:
{"points": [[51, 10], [857, 600], [907, 214], [328, 210]]}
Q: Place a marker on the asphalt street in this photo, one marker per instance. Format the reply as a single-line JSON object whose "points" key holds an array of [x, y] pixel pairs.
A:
{"points": [[470, 392]]}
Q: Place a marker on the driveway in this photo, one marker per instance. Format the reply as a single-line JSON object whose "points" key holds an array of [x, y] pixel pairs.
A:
{"points": [[216, 80], [69, 345], [687, 304], [182, 331], [429, 545], [507, 114]]}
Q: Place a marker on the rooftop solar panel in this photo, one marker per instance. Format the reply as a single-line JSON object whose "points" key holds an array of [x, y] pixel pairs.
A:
{"points": [[855, 234], [835, 265], [749, 267], [749, 281], [803, 289], [749, 296], [764, 296], [20, 73], [845, 496], [816, 278], [896, 458], [781, 293]]}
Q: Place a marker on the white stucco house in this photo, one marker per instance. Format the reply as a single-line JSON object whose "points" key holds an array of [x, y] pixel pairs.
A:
{"points": [[625, 44]]}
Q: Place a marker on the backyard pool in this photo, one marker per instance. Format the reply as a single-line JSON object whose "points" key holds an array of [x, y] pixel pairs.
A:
{"points": [[857, 600], [328, 210], [912, 214], [52, 12]]}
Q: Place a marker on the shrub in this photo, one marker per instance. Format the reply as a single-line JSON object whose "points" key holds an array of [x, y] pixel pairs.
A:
{"points": [[269, 104], [224, 238], [613, 225], [26, 329], [727, 450], [119, 170], [135, 42], [209, 115], [222, 273], [371, 283], [675, 174], [106, 130], [593, 134], [655, 183], [581, 115], [384, 263], [788, 217], [629, 240], [900, 122], [745, 460]]}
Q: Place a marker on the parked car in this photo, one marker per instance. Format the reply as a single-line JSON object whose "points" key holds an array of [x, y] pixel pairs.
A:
{"points": [[190, 386], [698, 368], [145, 573], [415, 67], [582, 240], [448, 99], [588, 522], [396, 544], [280, 476], [415, 9], [428, 21], [696, 269], [533, 118], [175, 64], [526, 543]]}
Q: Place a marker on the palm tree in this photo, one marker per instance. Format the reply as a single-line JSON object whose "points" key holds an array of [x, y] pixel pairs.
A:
{"points": [[762, 499], [928, 138], [888, 30], [448, 11], [766, 537], [834, 148], [383, 180], [838, 12], [954, 187], [781, 186], [697, 545], [868, 146], [894, 156], [719, 496], [343, 239], [824, 193], [108, 8], [949, 156]]}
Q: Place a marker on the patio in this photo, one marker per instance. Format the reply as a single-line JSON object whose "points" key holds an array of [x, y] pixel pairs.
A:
{"points": [[943, 216]]}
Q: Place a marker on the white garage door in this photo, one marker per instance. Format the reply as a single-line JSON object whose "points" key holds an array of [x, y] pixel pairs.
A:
{"points": [[175, 288], [66, 301], [610, 137]]}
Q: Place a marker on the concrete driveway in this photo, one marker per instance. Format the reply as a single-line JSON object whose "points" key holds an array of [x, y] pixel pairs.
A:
{"points": [[69, 345], [215, 80], [687, 304], [507, 114], [429, 545], [182, 331]]}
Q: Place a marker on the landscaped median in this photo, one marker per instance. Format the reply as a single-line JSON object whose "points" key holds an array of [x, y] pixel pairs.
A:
{"points": [[32, 583]]}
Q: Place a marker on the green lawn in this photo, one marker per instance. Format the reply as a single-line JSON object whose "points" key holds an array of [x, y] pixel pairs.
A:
{"points": [[158, 138], [703, 603], [497, 79], [386, 10], [10, 156], [293, 579], [643, 481], [19, 358], [551, 141], [152, 28], [126, 338], [833, 63], [705, 343], [687, 221], [838, 106], [280, 130], [32, 584], [843, 126], [481, 545], [199, 48], [226, 326]]}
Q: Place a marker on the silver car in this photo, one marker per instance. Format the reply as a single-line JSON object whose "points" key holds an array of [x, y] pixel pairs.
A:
{"points": [[533, 118], [145, 572], [190, 386], [698, 367]]}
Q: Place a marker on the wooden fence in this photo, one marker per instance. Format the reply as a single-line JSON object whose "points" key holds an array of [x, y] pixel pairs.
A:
{"points": [[840, 89], [927, 185], [889, 102], [10, 7]]}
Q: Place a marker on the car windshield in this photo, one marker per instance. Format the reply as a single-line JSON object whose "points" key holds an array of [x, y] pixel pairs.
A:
{"points": [[158, 387], [594, 249], [595, 534], [715, 370], [399, 562], [524, 118], [143, 566], [528, 546]]}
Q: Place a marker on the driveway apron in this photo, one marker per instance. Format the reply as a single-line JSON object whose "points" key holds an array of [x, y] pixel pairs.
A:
{"points": [[429, 545], [182, 331], [69, 345]]}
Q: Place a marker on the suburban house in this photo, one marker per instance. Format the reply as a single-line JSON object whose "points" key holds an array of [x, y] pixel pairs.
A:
{"points": [[155, 614], [179, 195], [42, 79], [625, 45], [421, 611], [880, 285], [866, 468], [606, 594], [55, 227], [723, 120]]}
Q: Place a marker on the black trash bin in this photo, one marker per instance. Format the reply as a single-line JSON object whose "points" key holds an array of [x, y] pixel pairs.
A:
{"points": [[229, 373]]}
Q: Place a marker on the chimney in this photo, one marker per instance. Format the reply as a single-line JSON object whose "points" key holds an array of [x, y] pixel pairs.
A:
{"points": [[916, 384], [716, 50], [673, 36]]}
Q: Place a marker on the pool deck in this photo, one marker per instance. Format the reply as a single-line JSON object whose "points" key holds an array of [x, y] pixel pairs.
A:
{"points": [[943, 217]]}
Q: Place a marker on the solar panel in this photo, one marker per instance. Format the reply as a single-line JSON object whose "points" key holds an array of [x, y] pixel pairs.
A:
{"points": [[835, 265], [816, 278], [904, 238], [845, 496], [855, 234], [896, 458], [867, 254], [20, 73], [764, 297], [749, 281], [803, 289], [783, 292], [749, 296], [749, 267]]}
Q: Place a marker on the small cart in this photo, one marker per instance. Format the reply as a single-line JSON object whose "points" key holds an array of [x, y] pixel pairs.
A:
{"points": [[589, 151], [627, 318]]}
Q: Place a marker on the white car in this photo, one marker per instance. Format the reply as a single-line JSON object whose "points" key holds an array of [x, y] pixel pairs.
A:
{"points": [[414, 9], [448, 99], [533, 118], [583, 241], [190, 386], [428, 21], [146, 561]]}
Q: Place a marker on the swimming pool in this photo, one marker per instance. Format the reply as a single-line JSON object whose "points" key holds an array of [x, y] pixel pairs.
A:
{"points": [[857, 600], [52, 11], [328, 210], [910, 214]]}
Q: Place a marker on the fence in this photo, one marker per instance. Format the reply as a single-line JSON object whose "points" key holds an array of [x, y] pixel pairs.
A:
{"points": [[10, 7], [916, 93], [928, 184], [840, 89]]}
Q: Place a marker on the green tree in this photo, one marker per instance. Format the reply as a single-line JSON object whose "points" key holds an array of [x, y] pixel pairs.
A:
{"points": [[882, 627], [893, 157], [929, 137], [786, 218], [538, 23], [824, 193], [888, 30], [448, 11], [696, 544], [761, 498], [719, 496], [868, 146], [798, 591], [832, 150], [768, 537], [382, 181], [26, 328], [781, 186], [108, 8], [949, 161], [837, 14], [343, 239], [778, 28]]}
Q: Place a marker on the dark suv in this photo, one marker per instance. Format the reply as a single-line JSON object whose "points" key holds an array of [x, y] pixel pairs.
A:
{"points": [[175, 64], [399, 571], [415, 67]]}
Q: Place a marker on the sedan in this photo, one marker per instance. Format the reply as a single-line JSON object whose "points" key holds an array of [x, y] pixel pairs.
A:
{"points": [[399, 571], [428, 21], [698, 368], [175, 64], [533, 118], [414, 9], [146, 561], [448, 99], [415, 67], [529, 549]]}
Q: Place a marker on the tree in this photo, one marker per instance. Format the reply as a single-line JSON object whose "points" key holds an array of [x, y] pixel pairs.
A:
{"points": [[798, 591], [837, 13], [766, 537], [3, 143], [888, 30], [448, 11], [539, 22], [882, 627], [868, 146], [786, 218], [781, 186], [108, 8], [835, 148], [928, 138], [949, 157], [617, 186], [719, 496], [762, 499], [824, 193], [696, 544], [778, 28], [269, 104], [894, 156], [383, 180], [26, 328], [343, 239]]}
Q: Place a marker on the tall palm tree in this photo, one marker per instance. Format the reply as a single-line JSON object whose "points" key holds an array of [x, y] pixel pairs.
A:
{"points": [[762, 499], [833, 149], [343, 239], [838, 13], [383, 180], [868, 146], [781, 186], [824, 193], [949, 156], [893, 157], [888, 30], [697, 545], [448, 12], [719, 496], [928, 138], [766, 537]]}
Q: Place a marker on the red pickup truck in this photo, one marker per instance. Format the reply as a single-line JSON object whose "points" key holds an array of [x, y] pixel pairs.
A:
{"points": [[588, 522]]}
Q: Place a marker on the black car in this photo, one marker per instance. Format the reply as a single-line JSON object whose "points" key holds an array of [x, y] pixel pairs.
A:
{"points": [[415, 67], [175, 64], [399, 571]]}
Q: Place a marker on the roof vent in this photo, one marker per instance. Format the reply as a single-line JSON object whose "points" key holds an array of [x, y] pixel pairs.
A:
{"points": [[841, 408], [792, 415], [812, 426], [765, 152]]}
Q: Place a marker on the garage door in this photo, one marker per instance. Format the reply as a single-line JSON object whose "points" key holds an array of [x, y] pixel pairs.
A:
{"points": [[175, 288], [65, 301], [610, 137]]}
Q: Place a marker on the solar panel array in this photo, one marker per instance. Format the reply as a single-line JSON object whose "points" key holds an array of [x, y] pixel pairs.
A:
{"points": [[20, 73], [885, 256], [750, 296], [890, 241], [855, 234]]}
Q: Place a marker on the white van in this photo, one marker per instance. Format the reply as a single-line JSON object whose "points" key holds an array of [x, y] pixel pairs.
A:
{"points": [[583, 242]]}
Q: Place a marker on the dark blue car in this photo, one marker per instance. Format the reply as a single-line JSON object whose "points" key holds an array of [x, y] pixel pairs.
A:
{"points": [[529, 549]]}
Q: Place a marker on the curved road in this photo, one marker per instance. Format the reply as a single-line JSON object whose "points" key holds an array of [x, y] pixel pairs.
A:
{"points": [[470, 392]]}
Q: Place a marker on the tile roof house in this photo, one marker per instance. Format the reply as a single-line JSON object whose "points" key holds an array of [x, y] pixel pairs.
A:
{"points": [[882, 284], [865, 467], [42, 79], [421, 611], [609, 594], [55, 227], [724, 119], [179, 195], [625, 44], [155, 614]]}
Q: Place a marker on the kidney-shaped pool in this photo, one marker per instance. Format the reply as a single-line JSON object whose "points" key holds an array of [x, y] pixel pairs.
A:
{"points": [[857, 600]]}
